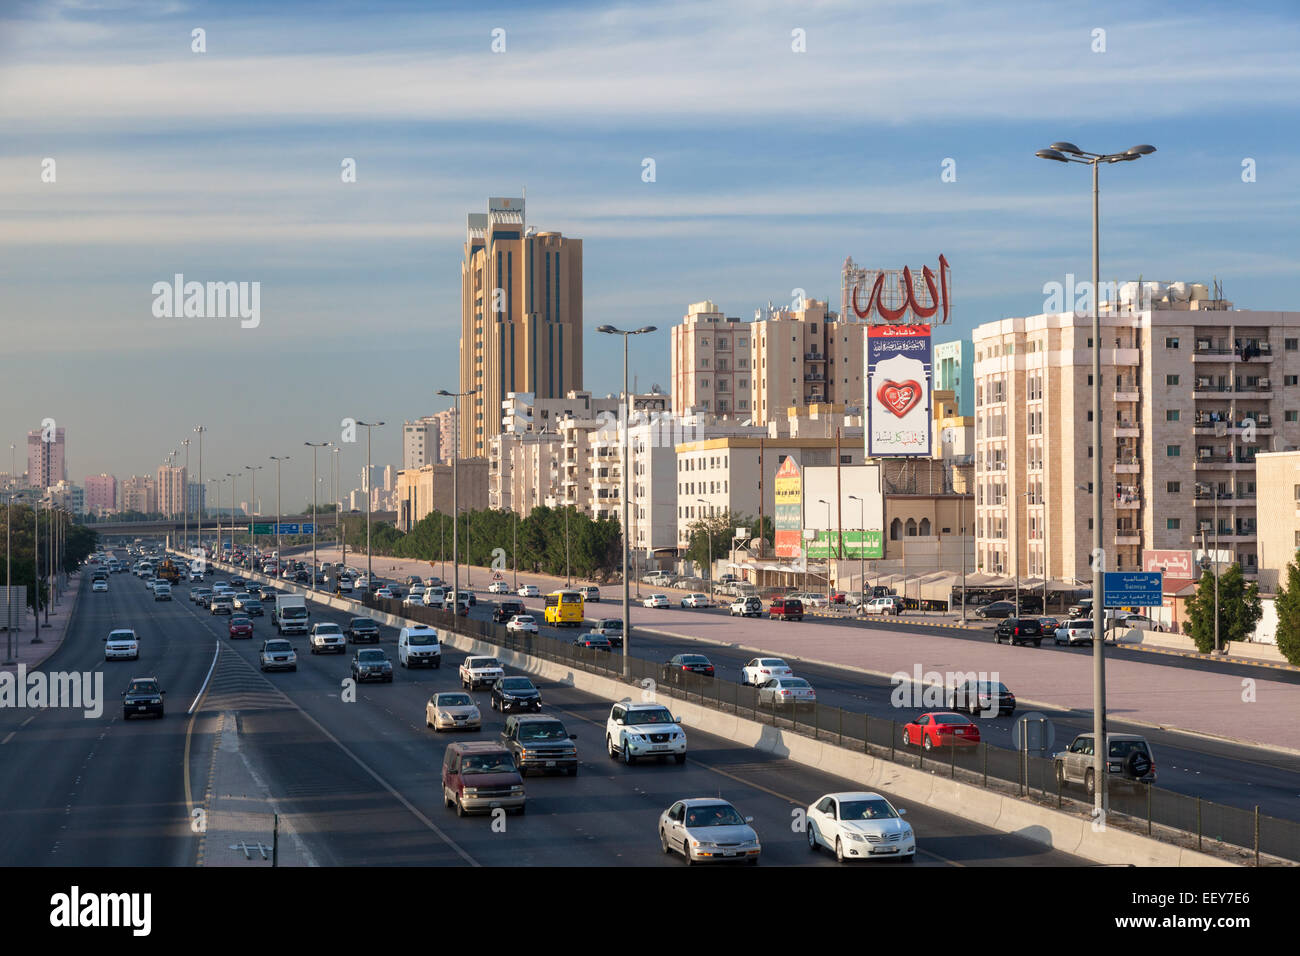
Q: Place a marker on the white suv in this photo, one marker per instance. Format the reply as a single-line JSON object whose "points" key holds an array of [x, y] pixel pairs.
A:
{"points": [[643, 730], [883, 605], [480, 672], [328, 637]]}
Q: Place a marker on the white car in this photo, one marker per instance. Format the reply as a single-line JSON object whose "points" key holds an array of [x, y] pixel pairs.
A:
{"points": [[327, 637], [786, 692], [643, 730], [434, 597], [162, 591], [657, 600], [498, 587], [815, 600], [523, 622], [414, 598], [100, 585], [696, 600], [860, 826], [762, 669], [528, 590], [480, 672], [1074, 632], [706, 829], [385, 593], [415, 594], [121, 645]]}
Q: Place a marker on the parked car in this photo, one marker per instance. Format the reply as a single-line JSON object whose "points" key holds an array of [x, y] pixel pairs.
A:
{"points": [[505, 610], [1076, 631], [746, 607], [941, 729], [1019, 630], [706, 829], [1129, 762], [785, 609], [1139, 621], [277, 654], [859, 826], [696, 600], [996, 609], [815, 600], [786, 692], [523, 623], [883, 605], [982, 697], [240, 626], [481, 776], [515, 693], [540, 742], [681, 664], [371, 663], [762, 669], [142, 697], [362, 630], [452, 710], [1081, 608], [657, 600]]}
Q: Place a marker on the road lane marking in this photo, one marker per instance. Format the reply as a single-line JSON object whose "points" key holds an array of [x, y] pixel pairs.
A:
{"points": [[8, 738]]}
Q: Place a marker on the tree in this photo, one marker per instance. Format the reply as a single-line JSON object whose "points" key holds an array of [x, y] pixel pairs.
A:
{"points": [[720, 528], [1288, 614], [1239, 609]]}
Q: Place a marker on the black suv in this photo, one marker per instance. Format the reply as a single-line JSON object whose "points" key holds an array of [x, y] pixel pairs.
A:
{"points": [[515, 693], [540, 742], [362, 630], [505, 610], [142, 696], [371, 664], [1019, 630]]}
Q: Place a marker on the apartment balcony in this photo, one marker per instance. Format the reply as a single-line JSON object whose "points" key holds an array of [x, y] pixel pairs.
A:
{"points": [[1127, 394], [1123, 356], [1128, 503], [1127, 430], [814, 377], [1204, 388], [1127, 536], [1127, 466], [814, 357], [1253, 393]]}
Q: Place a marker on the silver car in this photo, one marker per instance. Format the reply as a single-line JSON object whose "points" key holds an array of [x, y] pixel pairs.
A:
{"points": [[706, 829], [786, 692], [453, 710]]}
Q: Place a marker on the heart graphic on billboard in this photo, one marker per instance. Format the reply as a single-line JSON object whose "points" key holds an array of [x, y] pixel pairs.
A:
{"points": [[899, 397]]}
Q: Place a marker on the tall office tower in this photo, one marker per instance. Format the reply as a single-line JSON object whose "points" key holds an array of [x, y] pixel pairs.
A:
{"points": [[45, 459], [521, 317], [171, 489]]}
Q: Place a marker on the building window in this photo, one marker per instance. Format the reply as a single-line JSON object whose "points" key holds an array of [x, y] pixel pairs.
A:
{"points": [[1173, 524], [1171, 415], [1173, 451], [1292, 344], [1173, 487], [1290, 379], [1171, 342], [1291, 415], [1171, 379]]}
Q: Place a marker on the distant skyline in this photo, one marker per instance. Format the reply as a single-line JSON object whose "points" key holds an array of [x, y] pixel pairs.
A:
{"points": [[771, 166]]}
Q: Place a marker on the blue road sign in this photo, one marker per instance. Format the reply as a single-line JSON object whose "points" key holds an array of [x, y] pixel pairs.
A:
{"points": [[309, 528], [289, 529], [1133, 589]]}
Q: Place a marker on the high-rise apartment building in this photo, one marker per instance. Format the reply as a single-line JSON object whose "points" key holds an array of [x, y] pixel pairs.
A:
{"points": [[448, 434], [170, 487], [46, 463], [1191, 390], [785, 358], [138, 494], [952, 372], [521, 317], [420, 442], [101, 494]]}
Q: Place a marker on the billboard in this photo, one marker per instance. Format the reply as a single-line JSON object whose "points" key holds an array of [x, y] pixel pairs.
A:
{"points": [[788, 520], [858, 545], [1178, 567], [893, 296], [898, 371]]}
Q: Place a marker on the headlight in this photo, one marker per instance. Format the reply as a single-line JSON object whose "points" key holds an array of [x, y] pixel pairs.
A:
{"points": [[857, 837], [442, 716]]}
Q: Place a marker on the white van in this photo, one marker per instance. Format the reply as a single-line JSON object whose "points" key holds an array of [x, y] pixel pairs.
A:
{"points": [[417, 646]]}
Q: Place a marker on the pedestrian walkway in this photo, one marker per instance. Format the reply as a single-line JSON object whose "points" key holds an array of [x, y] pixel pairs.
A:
{"points": [[30, 655]]}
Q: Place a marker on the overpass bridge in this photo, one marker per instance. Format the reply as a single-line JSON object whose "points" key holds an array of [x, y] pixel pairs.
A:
{"points": [[175, 527]]}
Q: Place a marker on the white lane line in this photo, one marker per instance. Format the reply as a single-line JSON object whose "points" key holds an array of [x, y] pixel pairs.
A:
{"points": [[206, 679], [8, 738]]}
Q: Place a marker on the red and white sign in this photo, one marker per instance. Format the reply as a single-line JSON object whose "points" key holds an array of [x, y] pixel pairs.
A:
{"points": [[1178, 567]]}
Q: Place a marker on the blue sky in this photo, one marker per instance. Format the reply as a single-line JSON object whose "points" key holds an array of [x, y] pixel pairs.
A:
{"points": [[771, 167]]}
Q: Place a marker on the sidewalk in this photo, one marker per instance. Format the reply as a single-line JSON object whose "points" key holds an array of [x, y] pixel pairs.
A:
{"points": [[30, 655]]}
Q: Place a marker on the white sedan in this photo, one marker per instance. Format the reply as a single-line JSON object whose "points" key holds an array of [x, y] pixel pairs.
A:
{"points": [[100, 585], [696, 600], [656, 600], [762, 669], [786, 692], [528, 590], [860, 826], [816, 600], [498, 587], [522, 622]]}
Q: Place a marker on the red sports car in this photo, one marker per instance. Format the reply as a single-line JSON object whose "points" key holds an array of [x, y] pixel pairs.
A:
{"points": [[241, 627], [941, 729]]}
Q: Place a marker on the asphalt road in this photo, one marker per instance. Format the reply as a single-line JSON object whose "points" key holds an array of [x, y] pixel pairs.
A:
{"points": [[359, 781]]}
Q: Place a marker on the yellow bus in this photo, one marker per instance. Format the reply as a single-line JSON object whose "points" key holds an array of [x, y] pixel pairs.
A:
{"points": [[564, 607]]}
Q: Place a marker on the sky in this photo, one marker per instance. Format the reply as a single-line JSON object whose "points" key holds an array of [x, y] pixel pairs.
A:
{"points": [[784, 137]]}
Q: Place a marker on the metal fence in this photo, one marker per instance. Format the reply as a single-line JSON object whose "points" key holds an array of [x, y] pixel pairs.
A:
{"points": [[1245, 835]]}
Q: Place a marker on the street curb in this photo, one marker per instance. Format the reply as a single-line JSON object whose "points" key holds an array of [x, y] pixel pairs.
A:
{"points": [[1194, 656], [72, 608]]}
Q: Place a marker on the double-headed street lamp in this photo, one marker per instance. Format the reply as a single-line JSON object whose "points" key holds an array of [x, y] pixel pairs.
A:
{"points": [[314, 446], [455, 492], [200, 429], [627, 417], [252, 508], [279, 555], [185, 543], [1069, 153], [370, 494]]}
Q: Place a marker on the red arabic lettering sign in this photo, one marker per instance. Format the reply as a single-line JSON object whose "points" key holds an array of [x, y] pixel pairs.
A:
{"points": [[898, 295]]}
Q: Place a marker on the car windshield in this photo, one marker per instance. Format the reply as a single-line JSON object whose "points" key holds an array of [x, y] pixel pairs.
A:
{"points": [[453, 700], [362, 622], [551, 730], [371, 656], [480, 662], [327, 629], [122, 636], [1122, 748], [279, 646], [714, 815], [420, 639], [501, 762], [866, 810], [987, 688], [235, 621], [517, 683], [653, 715], [144, 687]]}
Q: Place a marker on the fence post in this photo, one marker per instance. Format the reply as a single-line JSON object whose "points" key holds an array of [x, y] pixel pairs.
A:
{"points": [[1257, 834], [893, 730], [839, 715], [1198, 823], [1149, 789], [986, 764], [952, 769]]}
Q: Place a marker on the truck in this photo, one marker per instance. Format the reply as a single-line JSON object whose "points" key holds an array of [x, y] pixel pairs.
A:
{"points": [[290, 614], [169, 572]]}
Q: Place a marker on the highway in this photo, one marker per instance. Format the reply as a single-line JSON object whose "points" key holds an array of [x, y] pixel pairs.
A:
{"points": [[358, 782]]}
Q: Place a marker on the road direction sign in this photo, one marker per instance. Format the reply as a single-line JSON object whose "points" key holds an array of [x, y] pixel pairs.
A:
{"points": [[258, 528], [1133, 589], [289, 529]]}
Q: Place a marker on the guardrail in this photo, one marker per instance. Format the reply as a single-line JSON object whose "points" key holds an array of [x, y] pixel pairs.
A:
{"points": [[1191, 822]]}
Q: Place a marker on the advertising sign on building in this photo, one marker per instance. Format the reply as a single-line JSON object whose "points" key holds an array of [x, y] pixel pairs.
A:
{"points": [[858, 545], [898, 391], [788, 521], [1178, 567], [893, 296]]}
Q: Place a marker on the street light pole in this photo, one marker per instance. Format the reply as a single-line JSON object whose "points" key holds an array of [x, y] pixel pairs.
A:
{"points": [[185, 537], [200, 429], [1069, 153], [279, 551], [455, 493], [708, 529], [370, 493], [252, 507], [314, 446], [627, 417], [823, 501], [36, 564], [862, 547]]}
